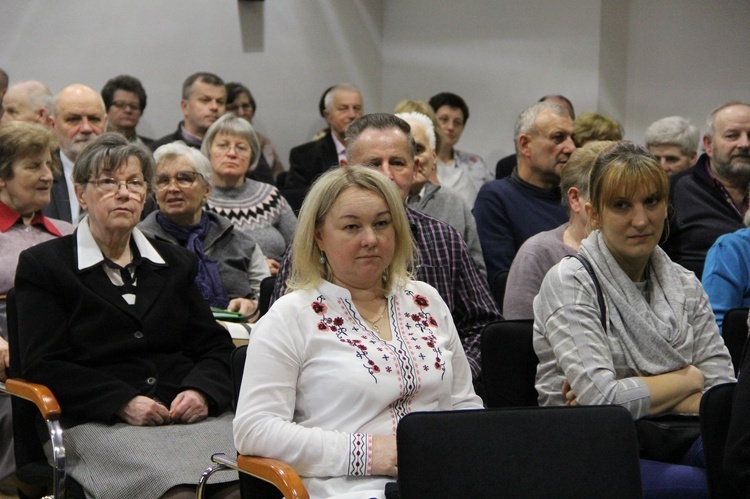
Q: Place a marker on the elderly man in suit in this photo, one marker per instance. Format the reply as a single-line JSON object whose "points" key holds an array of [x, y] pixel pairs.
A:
{"points": [[342, 105], [78, 116]]}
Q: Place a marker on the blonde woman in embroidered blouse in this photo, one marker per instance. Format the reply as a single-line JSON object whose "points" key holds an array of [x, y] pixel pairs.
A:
{"points": [[337, 362]]}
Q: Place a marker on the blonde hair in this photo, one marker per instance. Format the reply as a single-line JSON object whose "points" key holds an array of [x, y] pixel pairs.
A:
{"points": [[594, 126], [307, 269], [420, 106], [576, 172]]}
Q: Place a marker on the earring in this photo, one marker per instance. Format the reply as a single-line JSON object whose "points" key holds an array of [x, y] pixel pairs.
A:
{"points": [[322, 258]]}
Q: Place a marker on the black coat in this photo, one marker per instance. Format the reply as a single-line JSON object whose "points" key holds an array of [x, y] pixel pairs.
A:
{"points": [[309, 161], [59, 204], [95, 352]]}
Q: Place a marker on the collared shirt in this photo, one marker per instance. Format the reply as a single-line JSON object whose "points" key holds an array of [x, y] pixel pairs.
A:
{"points": [[15, 237], [90, 255], [9, 217], [190, 139], [340, 147], [445, 264], [414, 199], [67, 166]]}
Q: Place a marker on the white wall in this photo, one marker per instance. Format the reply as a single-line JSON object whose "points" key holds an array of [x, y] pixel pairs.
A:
{"points": [[685, 57], [499, 56], [638, 60], [286, 51]]}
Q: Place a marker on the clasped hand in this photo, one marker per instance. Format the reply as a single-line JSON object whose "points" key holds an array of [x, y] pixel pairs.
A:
{"points": [[188, 407], [569, 394]]}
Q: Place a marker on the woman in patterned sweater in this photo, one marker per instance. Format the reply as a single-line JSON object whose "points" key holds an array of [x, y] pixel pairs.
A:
{"points": [[253, 207]]}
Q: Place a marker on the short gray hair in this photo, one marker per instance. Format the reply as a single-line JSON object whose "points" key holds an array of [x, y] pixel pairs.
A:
{"points": [[526, 121], [108, 152], [36, 93], [239, 127], [328, 99], [423, 120], [177, 149], [712, 117], [674, 131]]}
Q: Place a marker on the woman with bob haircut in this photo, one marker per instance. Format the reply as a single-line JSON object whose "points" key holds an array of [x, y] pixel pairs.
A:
{"points": [[336, 363], [655, 347], [255, 208], [114, 324]]}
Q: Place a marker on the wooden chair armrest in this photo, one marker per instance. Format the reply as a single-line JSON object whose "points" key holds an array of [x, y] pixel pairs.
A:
{"points": [[276, 472], [40, 395]]}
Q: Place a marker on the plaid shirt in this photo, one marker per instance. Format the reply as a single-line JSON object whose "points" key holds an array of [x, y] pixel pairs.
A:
{"points": [[445, 264]]}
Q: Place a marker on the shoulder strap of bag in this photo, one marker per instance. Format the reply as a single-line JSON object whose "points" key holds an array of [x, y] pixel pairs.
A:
{"points": [[599, 296]]}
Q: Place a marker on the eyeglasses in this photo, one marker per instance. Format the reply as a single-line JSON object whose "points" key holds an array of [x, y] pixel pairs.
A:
{"points": [[122, 105], [109, 185], [240, 149], [182, 179]]}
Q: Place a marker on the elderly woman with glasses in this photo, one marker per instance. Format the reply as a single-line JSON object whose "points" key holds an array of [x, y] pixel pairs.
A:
{"points": [[115, 325], [253, 207], [230, 262]]}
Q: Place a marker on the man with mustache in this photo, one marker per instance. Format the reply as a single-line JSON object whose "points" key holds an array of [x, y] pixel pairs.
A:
{"points": [[78, 116], [512, 209], [204, 100], [710, 199]]}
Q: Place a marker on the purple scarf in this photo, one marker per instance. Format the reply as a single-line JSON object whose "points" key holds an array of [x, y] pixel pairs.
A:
{"points": [[191, 238]]}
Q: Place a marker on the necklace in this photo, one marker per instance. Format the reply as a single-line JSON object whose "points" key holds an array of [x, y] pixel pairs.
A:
{"points": [[374, 324]]}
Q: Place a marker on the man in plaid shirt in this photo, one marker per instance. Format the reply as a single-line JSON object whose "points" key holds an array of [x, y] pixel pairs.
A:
{"points": [[383, 142]]}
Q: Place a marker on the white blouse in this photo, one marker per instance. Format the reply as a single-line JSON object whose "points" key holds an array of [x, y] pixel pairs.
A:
{"points": [[319, 384]]}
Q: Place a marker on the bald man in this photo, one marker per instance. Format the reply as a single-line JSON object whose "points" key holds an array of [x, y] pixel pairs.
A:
{"points": [[78, 117], [28, 101]]}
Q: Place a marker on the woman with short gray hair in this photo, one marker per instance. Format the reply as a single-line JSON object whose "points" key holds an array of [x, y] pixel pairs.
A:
{"points": [[230, 262], [255, 208]]}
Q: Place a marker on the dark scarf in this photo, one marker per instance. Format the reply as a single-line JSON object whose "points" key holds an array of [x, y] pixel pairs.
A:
{"points": [[191, 238]]}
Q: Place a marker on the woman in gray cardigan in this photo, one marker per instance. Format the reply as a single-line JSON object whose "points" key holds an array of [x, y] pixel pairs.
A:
{"points": [[654, 347], [230, 262]]}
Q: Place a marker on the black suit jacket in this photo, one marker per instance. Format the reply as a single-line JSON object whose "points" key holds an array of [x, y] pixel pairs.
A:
{"points": [[59, 204], [154, 145], [308, 161], [95, 352]]}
